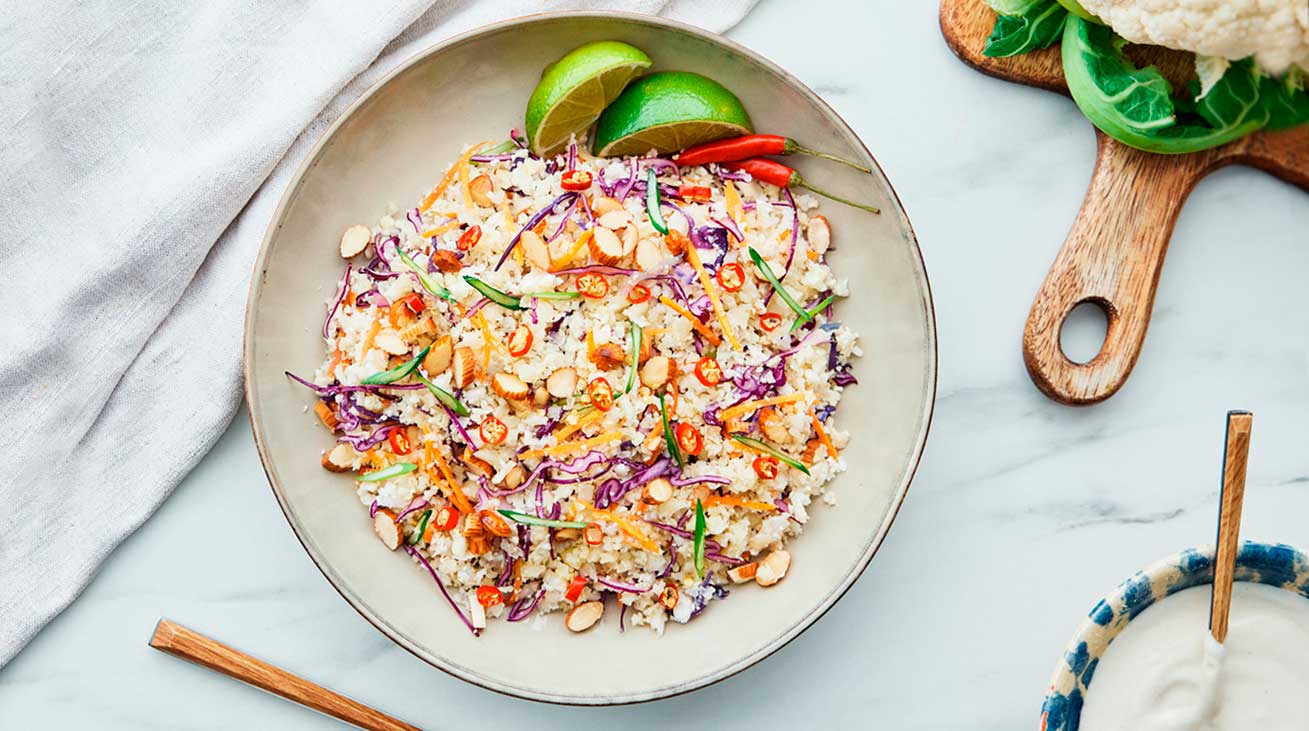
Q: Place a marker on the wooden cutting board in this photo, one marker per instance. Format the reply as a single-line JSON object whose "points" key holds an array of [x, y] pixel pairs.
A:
{"points": [[1115, 251]]}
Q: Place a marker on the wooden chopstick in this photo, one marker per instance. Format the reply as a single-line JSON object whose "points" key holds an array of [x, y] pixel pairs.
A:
{"points": [[1235, 458], [189, 645]]}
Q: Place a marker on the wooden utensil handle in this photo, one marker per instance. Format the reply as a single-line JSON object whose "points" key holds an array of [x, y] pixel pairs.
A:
{"points": [[1112, 258], [189, 645], [1236, 455]]}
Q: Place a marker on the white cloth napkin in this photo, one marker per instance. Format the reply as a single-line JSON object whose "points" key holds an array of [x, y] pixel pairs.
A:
{"points": [[144, 145]]}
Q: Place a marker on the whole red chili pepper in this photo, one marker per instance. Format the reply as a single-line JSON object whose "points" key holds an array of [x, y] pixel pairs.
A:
{"points": [[771, 171], [740, 148]]}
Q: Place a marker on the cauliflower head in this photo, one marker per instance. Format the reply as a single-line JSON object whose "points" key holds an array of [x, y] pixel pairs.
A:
{"points": [[1275, 32]]}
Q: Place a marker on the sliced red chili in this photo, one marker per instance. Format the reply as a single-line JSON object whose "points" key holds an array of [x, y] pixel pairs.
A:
{"points": [[695, 193], [765, 467], [689, 439], [601, 393], [493, 430], [414, 303], [446, 519], [592, 285], [520, 341], [489, 596], [399, 440], [730, 276], [769, 321], [575, 588], [593, 534], [575, 180], [640, 293], [668, 597], [708, 371], [469, 238]]}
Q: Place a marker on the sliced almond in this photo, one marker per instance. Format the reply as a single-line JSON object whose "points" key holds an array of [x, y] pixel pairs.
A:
{"points": [[438, 356], [418, 331], [515, 476], [391, 342], [446, 261], [535, 250], [629, 236], [773, 568], [608, 356], [340, 458], [744, 573], [771, 424], [480, 190], [540, 397], [655, 372], [657, 491], [810, 454], [562, 383], [615, 219], [605, 205], [387, 531], [605, 246], [326, 415], [649, 255], [647, 350], [510, 386], [584, 616], [354, 240], [465, 365], [568, 534], [476, 465], [819, 234]]}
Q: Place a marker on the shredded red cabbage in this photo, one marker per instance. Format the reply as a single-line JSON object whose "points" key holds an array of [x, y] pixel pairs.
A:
{"points": [[418, 503], [620, 586], [563, 221], [683, 533], [624, 187], [340, 297], [523, 608], [372, 509], [415, 219], [535, 219], [701, 307], [660, 163], [720, 558], [441, 585], [698, 479], [795, 239], [508, 574], [707, 593], [454, 419], [476, 306], [675, 285], [845, 378], [597, 269], [572, 155], [340, 389], [372, 298], [622, 613], [739, 176], [728, 223]]}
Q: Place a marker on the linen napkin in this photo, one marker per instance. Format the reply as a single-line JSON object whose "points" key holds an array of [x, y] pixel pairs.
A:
{"points": [[144, 146]]}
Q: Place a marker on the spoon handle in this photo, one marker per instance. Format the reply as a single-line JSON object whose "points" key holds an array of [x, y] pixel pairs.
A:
{"points": [[1235, 457]]}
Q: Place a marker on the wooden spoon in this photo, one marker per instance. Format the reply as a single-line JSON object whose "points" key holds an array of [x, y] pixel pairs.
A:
{"points": [[177, 640], [1235, 457]]}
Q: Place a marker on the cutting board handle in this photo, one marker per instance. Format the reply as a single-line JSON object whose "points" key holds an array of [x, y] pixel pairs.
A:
{"points": [[1112, 258]]}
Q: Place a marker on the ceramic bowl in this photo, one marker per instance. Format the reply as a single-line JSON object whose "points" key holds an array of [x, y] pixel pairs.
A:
{"points": [[1275, 565], [391, 146]]}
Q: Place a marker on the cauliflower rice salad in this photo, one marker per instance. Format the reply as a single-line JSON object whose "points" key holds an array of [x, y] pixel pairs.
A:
{"points": [[560, 379]]}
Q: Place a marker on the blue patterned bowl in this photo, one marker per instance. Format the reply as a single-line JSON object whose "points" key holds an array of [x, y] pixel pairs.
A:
{"points": [[1276, 565]]}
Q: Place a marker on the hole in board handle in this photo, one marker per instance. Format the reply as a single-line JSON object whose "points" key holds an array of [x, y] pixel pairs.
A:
{"points": [[1082, 334]]}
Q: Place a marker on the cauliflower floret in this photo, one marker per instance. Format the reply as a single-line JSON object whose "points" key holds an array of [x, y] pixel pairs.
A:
{"points": [[1275, 32]]}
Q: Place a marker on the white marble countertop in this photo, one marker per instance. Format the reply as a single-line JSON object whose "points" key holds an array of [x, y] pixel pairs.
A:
{"points": [[1023, 513]]}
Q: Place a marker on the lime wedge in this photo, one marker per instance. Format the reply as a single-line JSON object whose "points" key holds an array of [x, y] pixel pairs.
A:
{"points": [[669, 111], [576, 88]]}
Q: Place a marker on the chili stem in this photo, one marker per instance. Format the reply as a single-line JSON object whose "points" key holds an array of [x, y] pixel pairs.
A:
{"points": [[796, 180], [825, 156]]}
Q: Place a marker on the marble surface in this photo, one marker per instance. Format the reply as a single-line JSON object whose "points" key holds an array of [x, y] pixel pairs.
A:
{"points": [[1023, 513]]}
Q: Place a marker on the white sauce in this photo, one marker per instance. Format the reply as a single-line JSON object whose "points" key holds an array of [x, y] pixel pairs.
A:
{"points": [[1164, 672]]}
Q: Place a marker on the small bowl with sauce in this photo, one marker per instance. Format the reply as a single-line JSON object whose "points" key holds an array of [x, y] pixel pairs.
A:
{"points": [[1165, 672]]}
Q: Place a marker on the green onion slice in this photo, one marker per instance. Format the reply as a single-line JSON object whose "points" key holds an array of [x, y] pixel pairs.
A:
{"points": [[422, 526], [442, 395], [500, 298], [770, 450], [767, 272], [552, 295], [673, 450], [429, 284], [504, 147], [698, 546], [526, 519], [635, 338], [652, 203], [814, 312], [400, 371], [395, 470]]}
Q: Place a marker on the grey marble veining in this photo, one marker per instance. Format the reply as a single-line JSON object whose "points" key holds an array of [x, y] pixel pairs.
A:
{"points": [[1022, 515]]}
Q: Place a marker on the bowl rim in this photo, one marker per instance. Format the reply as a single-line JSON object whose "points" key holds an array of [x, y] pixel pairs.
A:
{"points": [[1159, 569], [472, 676]]}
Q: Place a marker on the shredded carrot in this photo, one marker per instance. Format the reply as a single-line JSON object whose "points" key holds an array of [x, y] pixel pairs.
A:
{"points": [[368, 337], [652, 331], [350, 298], [568, 431], [437, 231], [590, 343], [338, 357], [749, 406], [636, 535], [813, 255], [695, 321], [464, 184], [489, 340], [737, 502], [567, 447], [693, 257], [567, 259], [735, 209], [456, 495], [449, 177], [822, 434], [394, 312]]}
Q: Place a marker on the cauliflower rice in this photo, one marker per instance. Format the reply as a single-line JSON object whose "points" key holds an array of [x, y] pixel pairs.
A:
{"points": [[561, 456]]}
